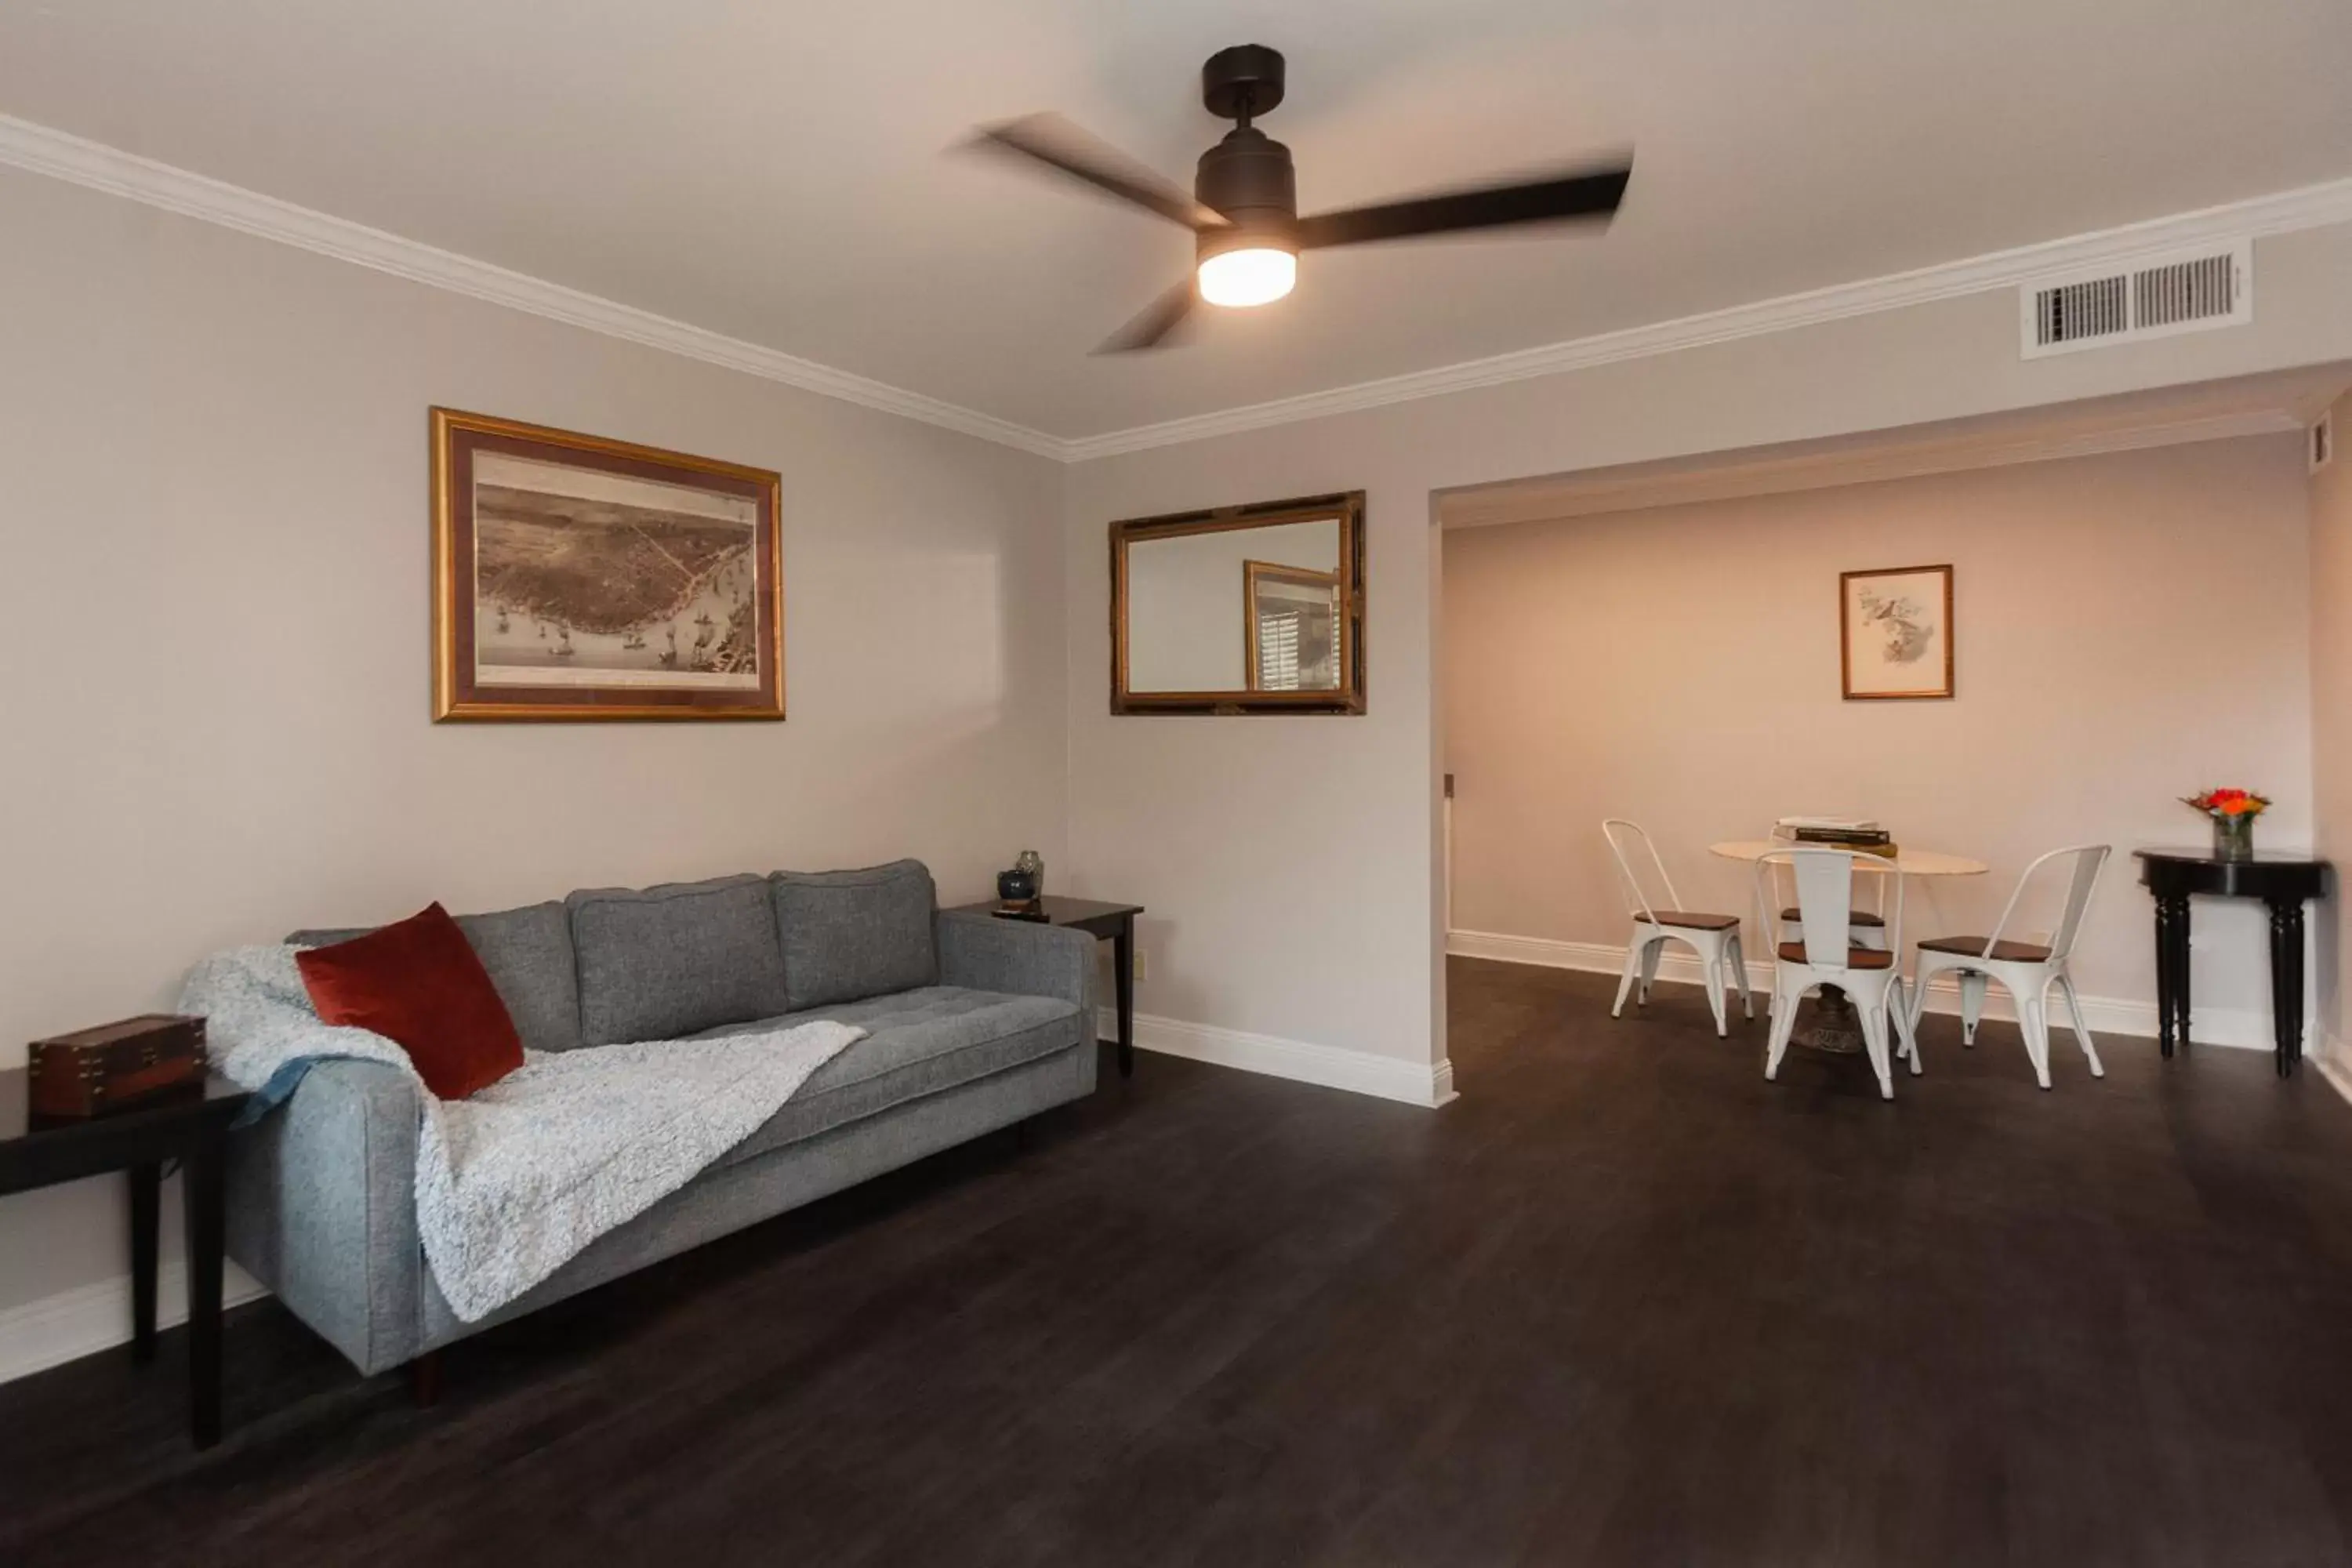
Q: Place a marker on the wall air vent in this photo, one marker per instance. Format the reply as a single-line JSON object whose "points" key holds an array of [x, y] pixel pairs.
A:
{"points": [[2150, 297]]}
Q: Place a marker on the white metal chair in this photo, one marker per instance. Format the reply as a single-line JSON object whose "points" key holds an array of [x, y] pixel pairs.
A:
{"points": [[1869, 928], [1715, 938], [2025, 970], [1826, 954], [1869, 925]]}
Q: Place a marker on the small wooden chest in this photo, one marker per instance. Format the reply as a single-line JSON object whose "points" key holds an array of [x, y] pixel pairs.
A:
{"points": [[117, 1066]]}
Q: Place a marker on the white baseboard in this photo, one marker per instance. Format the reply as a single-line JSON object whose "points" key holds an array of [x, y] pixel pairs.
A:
{"points": [[1332, 1066], [2335, 1071], [2245, 1027], [54, 1329]]}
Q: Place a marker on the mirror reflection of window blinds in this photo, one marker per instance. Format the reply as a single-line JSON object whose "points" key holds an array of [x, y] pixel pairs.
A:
{"points": [[1277, 651]]}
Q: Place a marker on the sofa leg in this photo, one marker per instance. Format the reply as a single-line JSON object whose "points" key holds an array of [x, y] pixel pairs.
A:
{"points": [[424, 1380]]}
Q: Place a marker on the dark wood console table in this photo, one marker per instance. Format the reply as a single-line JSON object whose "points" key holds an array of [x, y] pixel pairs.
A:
{"points": [[193, 1129], [1114, 923], [2283, 882]]}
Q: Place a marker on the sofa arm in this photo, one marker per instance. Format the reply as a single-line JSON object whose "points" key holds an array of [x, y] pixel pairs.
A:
{"points": [[322, 1208], [1023, 958]]}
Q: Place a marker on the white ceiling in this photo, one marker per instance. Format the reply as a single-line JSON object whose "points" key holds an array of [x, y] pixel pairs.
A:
{"points": [[776, 171]]}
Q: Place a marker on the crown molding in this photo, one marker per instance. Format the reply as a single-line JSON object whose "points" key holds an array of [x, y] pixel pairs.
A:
{"points": [[44, 150], [2284, 212]]}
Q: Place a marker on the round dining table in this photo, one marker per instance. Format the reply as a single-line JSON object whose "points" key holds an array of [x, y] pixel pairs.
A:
{"points": [[1910, 862], [1835, 1029]]}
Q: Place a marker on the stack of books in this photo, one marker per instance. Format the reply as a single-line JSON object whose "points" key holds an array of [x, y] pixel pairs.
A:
{"points": [[1840, 833]]}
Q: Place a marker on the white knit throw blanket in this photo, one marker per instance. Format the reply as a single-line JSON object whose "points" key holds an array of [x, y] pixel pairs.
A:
{"points": [[514, 1181]]}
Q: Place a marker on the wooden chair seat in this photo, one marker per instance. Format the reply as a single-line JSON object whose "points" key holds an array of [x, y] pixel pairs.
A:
{"points": [[1974, 947], [1689, 920], [1854, 917], [2026, 970], [1855, 957]]}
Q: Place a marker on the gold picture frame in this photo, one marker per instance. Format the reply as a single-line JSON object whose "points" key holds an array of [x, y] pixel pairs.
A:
{"points": [[577, 578], [1348, 697], [1895, 634]]}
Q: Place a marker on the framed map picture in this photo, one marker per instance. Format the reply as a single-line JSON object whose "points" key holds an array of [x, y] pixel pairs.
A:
{"points": [[579, 578], [1896, 627]]}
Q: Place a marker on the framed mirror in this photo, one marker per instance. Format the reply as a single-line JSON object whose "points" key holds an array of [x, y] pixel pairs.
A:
{"points": [[1251, 609]]}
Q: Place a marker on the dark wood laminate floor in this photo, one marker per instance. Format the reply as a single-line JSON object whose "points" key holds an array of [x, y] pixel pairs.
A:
{"points": [[1625, 1303]]}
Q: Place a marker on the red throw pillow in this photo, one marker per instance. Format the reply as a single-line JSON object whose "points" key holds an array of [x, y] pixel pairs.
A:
{"points": [[418, 982]]}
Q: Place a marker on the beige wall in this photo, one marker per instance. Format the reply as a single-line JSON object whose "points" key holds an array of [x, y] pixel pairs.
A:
{"points": [[2129, 627], [1215, 822], [212, 462], [2331, 723]]}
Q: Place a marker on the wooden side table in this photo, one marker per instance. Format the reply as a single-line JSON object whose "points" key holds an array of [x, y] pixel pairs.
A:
{"points": [[2283, 882], [193, 1129], [1114, 923]]}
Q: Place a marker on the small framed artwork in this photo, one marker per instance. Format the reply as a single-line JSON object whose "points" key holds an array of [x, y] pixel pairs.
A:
{"points": [[1896, 630], [578, 578], [1290, 617]]}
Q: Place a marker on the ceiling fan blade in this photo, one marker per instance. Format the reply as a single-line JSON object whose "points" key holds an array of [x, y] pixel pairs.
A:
{"points": [[1056, 143], [1589, 193], [1152, 326]]}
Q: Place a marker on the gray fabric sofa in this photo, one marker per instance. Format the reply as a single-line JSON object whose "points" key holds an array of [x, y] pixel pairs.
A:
{"points": [[973, 1024]]}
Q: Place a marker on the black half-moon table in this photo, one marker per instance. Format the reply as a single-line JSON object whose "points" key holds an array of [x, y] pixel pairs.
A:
{"points": [[2283, 882]]}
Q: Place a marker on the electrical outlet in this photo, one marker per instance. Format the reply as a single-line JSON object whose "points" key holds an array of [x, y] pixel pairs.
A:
{"points": [[1142, 966]]}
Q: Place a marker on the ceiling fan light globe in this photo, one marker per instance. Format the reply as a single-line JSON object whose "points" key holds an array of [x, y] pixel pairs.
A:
{"points": [[1255, 275]]}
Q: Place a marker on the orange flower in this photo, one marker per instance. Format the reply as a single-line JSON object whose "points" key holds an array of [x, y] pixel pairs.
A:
{"points": [[2222, 802]]}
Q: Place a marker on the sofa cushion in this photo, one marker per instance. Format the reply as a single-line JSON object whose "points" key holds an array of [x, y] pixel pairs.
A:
{"points": [[528, 953], [917, 1043], [659, 963], [418, 984], [853, 934]]}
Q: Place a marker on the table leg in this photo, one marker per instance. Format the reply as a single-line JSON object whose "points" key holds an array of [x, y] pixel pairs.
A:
{"points": [[2181, 1008], [2163, 975], [2295, 950], [2286, 981], [146, 1198], [1836, 1028], [1123, 955], [200, 1176]]}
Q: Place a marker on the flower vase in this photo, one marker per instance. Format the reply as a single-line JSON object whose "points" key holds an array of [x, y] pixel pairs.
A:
{"points": [[2233, 838]]}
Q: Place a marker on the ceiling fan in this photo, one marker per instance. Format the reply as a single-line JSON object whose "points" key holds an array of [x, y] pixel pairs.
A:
{"points": [[1242, 209]]}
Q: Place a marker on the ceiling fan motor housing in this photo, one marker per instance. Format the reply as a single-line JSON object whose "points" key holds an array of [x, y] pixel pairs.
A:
{"points": [[1248, 177]]}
